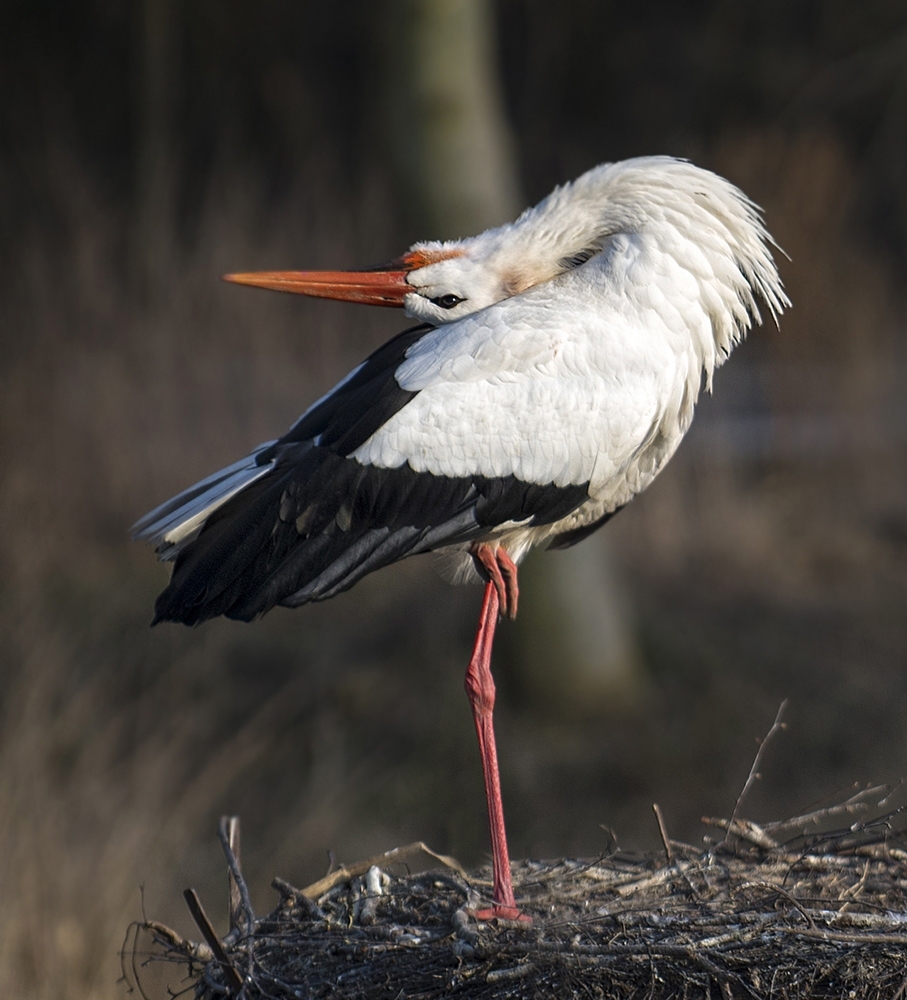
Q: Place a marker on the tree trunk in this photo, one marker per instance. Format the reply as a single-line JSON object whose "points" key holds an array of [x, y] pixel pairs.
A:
{"points": [[453, 155]]}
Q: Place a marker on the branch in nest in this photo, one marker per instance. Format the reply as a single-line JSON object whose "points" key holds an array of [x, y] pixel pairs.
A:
{"points": [[169, 938], [745, 829], [754, 774]]}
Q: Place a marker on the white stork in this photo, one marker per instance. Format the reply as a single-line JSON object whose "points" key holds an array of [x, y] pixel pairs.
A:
{"points": [[554, 370]]}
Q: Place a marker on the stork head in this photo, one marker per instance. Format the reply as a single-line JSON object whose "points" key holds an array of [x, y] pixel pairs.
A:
{"points": [[710, 226], [433, 282]]}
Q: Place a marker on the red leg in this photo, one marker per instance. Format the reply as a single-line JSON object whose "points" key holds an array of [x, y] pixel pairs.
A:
{"points": [[481, 691], [511, 586]]}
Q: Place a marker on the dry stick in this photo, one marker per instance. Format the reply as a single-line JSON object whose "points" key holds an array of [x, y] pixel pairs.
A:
{"points": [[312, 909], [848, 807], [754, 770], [234, 979], [394, 856], [771, 887], [133, 931], [669, 853], [743, 830], [233, 888], [662, 829], [244, 903], [724, 977], [169, 937]]}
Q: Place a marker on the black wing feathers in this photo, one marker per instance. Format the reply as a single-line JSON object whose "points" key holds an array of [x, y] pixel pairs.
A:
{"points": [[511, 499], [310, 532], [319, 521], [357, 407]]}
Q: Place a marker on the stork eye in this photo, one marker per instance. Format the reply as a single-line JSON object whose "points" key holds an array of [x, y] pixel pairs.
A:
{"points": [[578, 259], [447, 301]]}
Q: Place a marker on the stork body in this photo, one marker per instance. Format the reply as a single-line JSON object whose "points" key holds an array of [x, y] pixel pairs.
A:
{"points": [[553, 372]]}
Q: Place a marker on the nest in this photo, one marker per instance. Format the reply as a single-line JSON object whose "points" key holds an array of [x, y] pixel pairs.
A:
{"points": [[815, 906]]}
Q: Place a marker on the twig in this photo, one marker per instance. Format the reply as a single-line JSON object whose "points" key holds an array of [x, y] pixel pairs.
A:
{"points": [[136, 983], [860, 940], [848, 807], [743, 829], [721, 976], [393, 856], [232, 888], [754, 770], [289, 891], [770, 887], [240, 903], [169, 937], [669, 854], [234, 979]]}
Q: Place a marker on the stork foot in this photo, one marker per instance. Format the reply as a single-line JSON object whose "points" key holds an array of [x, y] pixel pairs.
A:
{"points": [[500, 912], [498, 568]]}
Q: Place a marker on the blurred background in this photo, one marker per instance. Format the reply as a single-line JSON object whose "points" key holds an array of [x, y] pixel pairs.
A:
{"points": [[148, 147]]}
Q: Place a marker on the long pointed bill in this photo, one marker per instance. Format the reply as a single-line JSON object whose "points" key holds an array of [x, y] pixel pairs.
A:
{"points": [[372, 288]]}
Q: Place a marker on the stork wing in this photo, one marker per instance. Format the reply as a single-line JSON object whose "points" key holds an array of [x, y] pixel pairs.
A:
{"points": [[539, 388], [303, 518]]}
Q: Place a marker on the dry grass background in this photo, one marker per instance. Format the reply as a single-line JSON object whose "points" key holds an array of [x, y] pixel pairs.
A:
{"points": [[770, 560]]}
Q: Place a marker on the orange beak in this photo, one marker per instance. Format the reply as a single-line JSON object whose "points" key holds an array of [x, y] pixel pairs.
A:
{"points": [[382, 287]]}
